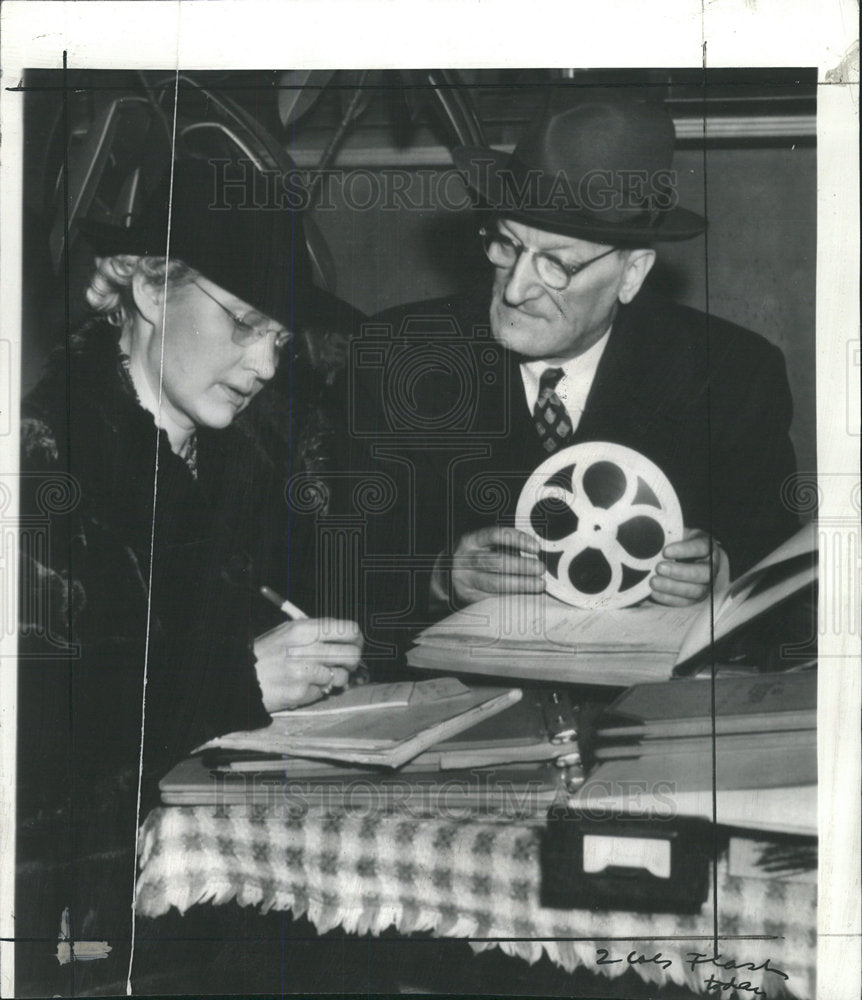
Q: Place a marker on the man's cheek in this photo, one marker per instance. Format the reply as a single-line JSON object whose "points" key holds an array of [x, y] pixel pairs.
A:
{"points": [[497, 318]]}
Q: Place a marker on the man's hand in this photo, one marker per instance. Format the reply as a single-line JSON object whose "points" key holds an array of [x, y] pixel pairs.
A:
{"points": [[685, 575], [494, 561], [301, 661]]}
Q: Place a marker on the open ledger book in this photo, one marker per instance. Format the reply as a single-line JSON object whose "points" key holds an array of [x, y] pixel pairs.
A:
{"points": [[537, 637]]}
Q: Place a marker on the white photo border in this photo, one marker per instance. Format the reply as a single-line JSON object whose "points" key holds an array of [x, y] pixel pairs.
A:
{"points": [[484, 34]]}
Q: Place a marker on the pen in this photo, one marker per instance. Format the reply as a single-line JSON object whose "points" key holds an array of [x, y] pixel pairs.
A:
{"points": [[360, 676], [291, 610]]}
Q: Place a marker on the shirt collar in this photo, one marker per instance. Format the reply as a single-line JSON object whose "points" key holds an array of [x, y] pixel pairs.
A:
{"points": [[576, 382]]}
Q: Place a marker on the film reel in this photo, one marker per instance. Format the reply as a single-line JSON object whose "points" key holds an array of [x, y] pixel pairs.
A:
{"points": [[602, 514]]}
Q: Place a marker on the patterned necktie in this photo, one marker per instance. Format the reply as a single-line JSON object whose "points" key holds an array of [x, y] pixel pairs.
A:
{"points": [[549, 415]]}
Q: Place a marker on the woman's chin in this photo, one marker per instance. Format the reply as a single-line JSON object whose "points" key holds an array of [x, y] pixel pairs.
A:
{"points": [[217, 417]]}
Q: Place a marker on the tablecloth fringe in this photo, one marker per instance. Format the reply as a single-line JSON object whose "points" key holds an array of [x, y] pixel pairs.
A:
{"points": [[407, 919]]}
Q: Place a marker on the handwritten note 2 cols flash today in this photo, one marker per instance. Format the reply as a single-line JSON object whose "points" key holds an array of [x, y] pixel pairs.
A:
{"points": [[694, 960]]}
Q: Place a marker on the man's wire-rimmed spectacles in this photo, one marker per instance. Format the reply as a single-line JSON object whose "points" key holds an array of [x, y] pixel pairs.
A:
{"points": [[504, 252]]}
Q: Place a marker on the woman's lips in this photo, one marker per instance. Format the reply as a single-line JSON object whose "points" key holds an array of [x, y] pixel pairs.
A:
{"points": [[238, 397]]}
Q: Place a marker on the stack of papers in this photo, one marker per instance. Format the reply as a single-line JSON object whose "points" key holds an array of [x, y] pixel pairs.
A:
{"points": [[542, 638], [792, 809], [749, 741]]}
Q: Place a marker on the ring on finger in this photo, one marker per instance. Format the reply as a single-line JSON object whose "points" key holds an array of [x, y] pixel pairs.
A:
{"points": [[327, 689]]}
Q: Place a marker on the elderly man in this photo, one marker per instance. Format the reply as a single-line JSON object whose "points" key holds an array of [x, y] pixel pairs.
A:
{"points": [[579, 350]]}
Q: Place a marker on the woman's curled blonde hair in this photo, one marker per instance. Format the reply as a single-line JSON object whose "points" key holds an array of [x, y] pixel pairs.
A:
{"points": [[110, 289]]}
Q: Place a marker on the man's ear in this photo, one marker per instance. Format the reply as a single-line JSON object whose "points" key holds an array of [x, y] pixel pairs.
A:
{"points": [[638, 266], [148, 297]]}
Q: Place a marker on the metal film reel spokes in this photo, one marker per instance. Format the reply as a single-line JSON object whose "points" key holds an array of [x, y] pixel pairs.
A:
{"points": [[602, 514]]}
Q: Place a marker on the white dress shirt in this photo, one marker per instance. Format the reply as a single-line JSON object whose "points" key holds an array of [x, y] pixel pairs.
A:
{"points": [[574, 387]]}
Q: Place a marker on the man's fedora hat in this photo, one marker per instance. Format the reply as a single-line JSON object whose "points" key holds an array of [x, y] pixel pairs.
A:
{"points": [[599, 170], [210, 215]]}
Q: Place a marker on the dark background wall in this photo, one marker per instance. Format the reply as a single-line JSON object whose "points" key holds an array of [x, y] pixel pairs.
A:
{"points": [[754, 266]]}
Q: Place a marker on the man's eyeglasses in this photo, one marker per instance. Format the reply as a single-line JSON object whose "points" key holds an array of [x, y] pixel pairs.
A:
{"points": [[244, 333], [504, 252]]}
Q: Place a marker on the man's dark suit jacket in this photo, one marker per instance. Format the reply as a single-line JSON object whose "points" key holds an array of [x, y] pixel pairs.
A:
{"points": [[441, 409]]}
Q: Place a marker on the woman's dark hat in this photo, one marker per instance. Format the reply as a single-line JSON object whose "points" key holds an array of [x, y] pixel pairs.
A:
{"points": [[229, 222], [599, 170]]}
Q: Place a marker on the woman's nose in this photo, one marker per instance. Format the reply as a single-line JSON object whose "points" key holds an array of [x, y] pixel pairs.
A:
{"points": [[262, 357]]}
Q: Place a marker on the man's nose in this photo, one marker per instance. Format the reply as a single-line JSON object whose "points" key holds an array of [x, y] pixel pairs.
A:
{"points": [[522, 283]]}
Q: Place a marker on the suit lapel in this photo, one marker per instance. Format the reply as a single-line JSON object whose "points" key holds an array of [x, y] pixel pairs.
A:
{"points": [[631, 401], [629, 393], [523, 450]]}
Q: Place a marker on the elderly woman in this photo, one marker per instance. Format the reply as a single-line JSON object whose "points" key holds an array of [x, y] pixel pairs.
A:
{"points": [[140, 610]]}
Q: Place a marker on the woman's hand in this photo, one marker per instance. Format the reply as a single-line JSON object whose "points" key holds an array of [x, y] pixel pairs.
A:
{"points": [[301, 661], [685, 575]]}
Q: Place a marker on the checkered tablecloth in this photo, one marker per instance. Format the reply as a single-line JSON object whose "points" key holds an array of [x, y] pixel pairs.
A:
{"points": [[461, 878]]}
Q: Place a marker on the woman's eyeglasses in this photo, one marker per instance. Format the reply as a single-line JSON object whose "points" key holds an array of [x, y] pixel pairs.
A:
{"points": [[504, 252], [245, 334]]}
